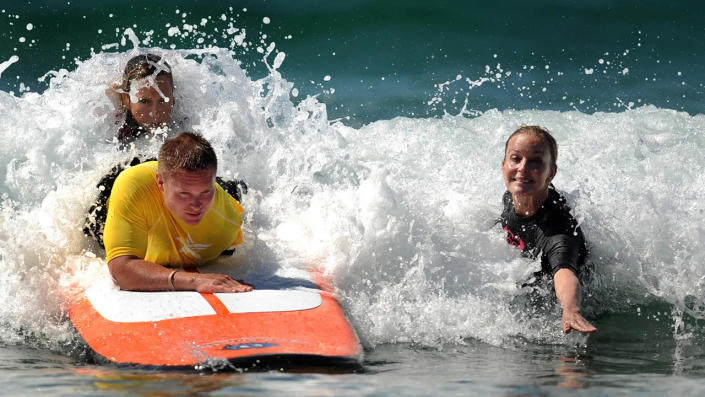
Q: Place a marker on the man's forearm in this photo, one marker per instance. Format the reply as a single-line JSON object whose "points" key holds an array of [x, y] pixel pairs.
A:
{"points": [[136, 274]]}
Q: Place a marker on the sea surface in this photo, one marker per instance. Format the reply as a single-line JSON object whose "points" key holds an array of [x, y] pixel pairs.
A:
{"points": [[371, 134]]}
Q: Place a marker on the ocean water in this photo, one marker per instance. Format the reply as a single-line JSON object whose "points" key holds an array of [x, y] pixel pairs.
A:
{"points": [[371, 135]]}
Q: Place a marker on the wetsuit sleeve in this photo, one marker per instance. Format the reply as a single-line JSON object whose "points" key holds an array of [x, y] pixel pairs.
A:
{"points": [[562, 252], [239, 237], [126, 228]]}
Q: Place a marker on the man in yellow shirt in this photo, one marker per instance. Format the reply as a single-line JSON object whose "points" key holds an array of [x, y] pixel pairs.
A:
{"points": [[171, 212]]}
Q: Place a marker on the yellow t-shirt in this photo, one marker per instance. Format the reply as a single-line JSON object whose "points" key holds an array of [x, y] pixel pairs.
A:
{"points": [[139, 223]]}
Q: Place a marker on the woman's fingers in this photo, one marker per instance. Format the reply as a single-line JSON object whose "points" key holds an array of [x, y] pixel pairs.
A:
{"points": [[575, 321]]}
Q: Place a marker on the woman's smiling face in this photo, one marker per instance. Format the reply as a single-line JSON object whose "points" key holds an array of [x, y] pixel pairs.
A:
{"points": [[527, 168]]}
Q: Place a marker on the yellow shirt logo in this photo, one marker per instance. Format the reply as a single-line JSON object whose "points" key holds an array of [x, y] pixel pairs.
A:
{"points": [[188, 247]]}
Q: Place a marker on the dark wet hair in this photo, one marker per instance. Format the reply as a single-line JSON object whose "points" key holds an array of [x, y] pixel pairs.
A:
{"points": [[541, 133], [187, 151], [142, 66]]}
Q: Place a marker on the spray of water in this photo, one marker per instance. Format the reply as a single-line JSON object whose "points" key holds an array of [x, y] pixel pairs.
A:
{"points": [[400, 212]]}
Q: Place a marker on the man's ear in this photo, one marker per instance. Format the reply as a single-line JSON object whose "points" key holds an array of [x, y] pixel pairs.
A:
{"points": [[160, 182]]}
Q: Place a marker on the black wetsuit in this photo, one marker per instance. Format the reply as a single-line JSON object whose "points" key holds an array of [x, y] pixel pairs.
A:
{"points": [[552, 233]]}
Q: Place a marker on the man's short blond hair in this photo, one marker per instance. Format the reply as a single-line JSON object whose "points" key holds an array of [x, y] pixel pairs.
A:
{"points": [[187, 151]]}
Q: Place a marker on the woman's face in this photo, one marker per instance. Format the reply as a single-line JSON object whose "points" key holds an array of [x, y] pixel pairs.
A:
{"points": [[151, 107], [526, 167]]}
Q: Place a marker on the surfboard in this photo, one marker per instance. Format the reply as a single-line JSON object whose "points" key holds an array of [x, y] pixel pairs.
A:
{"points": [[284, 319]]}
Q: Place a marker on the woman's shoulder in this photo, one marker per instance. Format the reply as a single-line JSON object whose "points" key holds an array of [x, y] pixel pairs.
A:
{"points": [[556, 199], [558, 211], [507, 201], [507, 207]]}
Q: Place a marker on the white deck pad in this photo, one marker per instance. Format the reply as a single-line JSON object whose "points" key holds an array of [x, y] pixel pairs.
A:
{"points": [[270, 301], [128, 306], [131, 307]]}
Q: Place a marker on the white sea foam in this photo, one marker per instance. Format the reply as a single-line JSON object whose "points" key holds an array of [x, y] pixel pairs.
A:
{"points": [[400, 212], [6, 64]]}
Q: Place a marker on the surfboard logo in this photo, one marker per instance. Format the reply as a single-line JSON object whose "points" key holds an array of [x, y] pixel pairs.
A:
{"points": [[253, 345], [190, 248]]}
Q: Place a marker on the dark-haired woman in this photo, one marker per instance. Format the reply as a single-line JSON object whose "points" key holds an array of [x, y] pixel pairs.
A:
{"points": [[146, 95]]}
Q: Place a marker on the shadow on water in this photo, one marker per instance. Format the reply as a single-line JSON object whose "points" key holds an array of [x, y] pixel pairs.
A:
{"points": [[290, 363], [630, 348], [648, 339], [278, 282]]}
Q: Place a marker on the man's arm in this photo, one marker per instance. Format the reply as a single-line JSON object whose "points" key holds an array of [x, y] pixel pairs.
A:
{"points": [[132, 273], [568, 293]]}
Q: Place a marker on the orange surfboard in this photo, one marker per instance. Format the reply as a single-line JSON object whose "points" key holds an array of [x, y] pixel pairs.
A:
{"points": [[284, 320]]}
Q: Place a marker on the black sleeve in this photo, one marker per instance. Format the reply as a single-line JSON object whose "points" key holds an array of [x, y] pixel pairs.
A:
{"points": [[563, 252], [235, 188]]}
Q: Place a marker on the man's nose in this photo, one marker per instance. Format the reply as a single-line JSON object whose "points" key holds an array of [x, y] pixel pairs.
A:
{"points": [[196, 203]]}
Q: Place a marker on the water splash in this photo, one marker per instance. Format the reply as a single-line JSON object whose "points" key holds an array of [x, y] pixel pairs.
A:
{"points": [[402, 211]]}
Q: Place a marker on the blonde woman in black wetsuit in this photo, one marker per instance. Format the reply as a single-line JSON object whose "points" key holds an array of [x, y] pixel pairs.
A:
{"points": [[538, 220]]}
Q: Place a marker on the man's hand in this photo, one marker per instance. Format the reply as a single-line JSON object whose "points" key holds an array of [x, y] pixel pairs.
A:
{"points": [[573, 320], [209, 282]]}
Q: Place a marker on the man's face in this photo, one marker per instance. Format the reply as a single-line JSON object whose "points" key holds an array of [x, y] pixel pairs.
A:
{"points": [[188, 194]]}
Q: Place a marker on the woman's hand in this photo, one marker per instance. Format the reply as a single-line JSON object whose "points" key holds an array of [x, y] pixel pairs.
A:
{"points": [[568, 293], [113, 92], [573, 320]]}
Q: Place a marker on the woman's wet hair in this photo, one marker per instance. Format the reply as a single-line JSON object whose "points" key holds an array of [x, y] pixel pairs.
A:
{"points": [[141, 66], [540, 132]]}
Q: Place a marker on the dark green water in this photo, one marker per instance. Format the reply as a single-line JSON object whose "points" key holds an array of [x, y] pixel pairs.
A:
{"points": [[386, 58], [629, 356]]}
